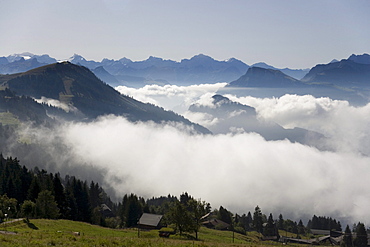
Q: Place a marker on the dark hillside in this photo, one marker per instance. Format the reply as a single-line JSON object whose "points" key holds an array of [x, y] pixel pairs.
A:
{"points": [[79, 87], [346, 73]]}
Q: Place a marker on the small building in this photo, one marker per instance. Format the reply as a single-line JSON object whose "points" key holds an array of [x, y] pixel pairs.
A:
{"points": [[106, 211], [216, 224], [150, 221]]}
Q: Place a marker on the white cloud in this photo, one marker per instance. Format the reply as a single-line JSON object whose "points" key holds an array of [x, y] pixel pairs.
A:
{"points": [[171, 97], [56, 103], [203, 119], [348, 127], [238, 171]]}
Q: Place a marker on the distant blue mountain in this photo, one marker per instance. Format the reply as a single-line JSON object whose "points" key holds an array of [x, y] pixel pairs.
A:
{"points": [[295, 73], [196, 70], [364, 58], [345, 73], [267, 78], [344, 80]]}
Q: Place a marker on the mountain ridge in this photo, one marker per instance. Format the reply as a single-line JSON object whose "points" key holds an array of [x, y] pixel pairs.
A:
{"points": [[79, 87], [195, 70], [342, 80]]}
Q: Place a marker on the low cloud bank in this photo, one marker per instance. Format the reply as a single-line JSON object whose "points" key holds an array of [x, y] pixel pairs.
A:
{"points": [[170, 97], [347, 127], [237, 171]]}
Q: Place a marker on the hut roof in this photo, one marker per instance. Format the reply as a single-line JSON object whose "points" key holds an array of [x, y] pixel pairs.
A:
{"points": [[150, 219]]}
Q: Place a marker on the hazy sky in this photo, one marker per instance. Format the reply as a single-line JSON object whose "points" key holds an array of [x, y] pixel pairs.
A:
{"points": [[287, 33]]}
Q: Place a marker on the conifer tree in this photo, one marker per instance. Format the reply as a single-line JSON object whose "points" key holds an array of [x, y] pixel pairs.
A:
{"points": [[361, 236], [258, 219], [280, 224], [301, 228], [269, 229], [347, 238]]}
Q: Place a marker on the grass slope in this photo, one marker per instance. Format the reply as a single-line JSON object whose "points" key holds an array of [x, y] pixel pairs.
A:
{"points": [[61, 233], [7, 118]]}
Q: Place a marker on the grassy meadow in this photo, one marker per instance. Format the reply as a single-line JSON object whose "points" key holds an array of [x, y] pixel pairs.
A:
{"points": [[40, 232]]}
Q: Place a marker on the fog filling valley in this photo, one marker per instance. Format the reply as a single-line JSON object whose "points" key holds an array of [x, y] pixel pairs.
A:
{"points": [[236, 170]]}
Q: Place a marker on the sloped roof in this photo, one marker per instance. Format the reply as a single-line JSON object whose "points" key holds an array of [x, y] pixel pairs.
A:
{"points": [[105, 207], [320, 232], [150, 219]]}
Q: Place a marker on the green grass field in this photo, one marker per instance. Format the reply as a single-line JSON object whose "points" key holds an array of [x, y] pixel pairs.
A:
{"points": [[61, 233]]}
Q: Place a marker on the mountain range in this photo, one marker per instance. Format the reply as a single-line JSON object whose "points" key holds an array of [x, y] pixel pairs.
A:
{"points": [[87, 96], [196, 70], [348, 79]]}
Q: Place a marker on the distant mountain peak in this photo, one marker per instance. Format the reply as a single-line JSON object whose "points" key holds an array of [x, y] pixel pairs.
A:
{"points": [[261, 77], [230, 60], [152, 58], [201, 57], [19, 56], [364, 58], [76, 58], [263, 65], [125, 60]]}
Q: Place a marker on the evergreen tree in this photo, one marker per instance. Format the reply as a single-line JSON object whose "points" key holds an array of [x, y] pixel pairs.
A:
{"points": [[185, 198], [361, 236], [34, 189], [134, 211], [301, 228], [224, 215], [270, 228], [71, 201], [245, 221], [81, 196], [280, 223], [258, 220], [131, 210], [94, 194], [60, 196], [347, 238]]}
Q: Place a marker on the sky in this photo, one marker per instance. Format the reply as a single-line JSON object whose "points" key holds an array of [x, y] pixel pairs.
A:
{"points": [[287, 33]]}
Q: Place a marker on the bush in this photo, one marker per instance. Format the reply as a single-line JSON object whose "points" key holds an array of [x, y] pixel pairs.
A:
{"points": [[240, 230]]}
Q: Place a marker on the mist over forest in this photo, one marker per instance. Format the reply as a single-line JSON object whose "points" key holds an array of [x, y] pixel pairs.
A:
{"points": [[237, 170]]}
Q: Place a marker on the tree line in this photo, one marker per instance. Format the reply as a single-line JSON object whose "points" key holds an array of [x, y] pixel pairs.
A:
{"points": [[36, 193]]}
